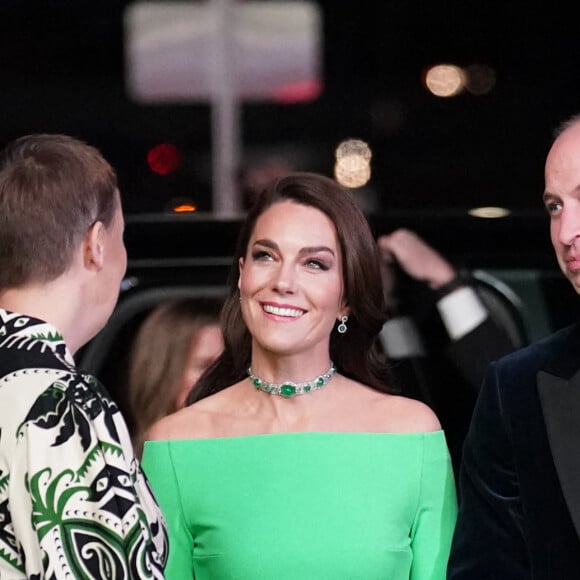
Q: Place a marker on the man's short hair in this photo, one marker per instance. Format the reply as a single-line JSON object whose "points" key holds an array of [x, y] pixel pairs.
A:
{"points": [[52, 189]]}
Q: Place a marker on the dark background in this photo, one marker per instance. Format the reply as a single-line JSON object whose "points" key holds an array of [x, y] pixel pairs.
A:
{"points": [[62, 70]]}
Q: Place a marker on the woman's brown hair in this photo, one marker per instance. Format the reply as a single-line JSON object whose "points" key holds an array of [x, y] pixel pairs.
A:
{"points": [[354, 353]]}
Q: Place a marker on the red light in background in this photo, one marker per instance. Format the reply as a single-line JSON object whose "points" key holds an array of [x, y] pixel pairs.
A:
{"points": [[164, 158], [298, 91]]}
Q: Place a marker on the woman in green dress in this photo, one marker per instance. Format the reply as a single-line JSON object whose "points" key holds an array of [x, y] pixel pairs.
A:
{"points": [[296, 461]]}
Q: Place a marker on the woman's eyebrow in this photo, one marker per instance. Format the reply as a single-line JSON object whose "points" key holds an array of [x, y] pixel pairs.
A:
{"points": [[267, 243], [316, 249], [306, 250]]}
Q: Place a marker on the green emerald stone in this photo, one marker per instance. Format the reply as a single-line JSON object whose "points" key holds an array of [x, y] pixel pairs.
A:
{"points": [[288, 390], [307, 388], [319, 382]]}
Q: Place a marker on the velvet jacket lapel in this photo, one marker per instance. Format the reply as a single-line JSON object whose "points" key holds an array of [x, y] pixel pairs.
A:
{"points": [[559, 390]]}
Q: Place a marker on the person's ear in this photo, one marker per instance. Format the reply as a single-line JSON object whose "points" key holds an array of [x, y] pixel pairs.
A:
{"points": [[241, 267], [94, 251]]}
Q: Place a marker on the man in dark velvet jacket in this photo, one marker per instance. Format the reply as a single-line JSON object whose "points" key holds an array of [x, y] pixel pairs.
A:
{"points": [[519, 515]]}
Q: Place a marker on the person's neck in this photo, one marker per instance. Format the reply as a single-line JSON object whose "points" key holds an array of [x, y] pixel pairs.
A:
{"points": [[296, 368], [53, 303]]}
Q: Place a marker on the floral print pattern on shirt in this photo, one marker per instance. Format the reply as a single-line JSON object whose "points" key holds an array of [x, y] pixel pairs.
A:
{"points": [[74, 502]]}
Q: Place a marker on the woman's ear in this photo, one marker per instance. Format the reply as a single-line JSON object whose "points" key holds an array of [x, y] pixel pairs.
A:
{"points": [[241, 267], [93, 248], [344, 309]]}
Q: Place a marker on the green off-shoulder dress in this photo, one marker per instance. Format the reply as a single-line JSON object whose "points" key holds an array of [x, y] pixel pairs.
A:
{"points": [[306, 506]]}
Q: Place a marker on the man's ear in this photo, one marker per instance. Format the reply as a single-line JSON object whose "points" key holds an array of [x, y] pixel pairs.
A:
{"points": [[94, 254]]}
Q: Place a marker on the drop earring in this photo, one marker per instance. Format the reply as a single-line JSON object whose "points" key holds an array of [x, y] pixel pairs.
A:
{"points": [[342, 326]]}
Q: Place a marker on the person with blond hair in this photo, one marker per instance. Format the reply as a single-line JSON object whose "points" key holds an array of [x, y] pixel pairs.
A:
{"points": [[174, 345]]}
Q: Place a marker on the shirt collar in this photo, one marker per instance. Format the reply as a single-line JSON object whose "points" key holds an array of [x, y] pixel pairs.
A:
{"points": [[15, 325]]}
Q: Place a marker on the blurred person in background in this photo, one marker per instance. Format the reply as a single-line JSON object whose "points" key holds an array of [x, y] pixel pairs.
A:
{"points": [[295, 459], [254, 177], [440, 335], [73, 500], [176, 342]]}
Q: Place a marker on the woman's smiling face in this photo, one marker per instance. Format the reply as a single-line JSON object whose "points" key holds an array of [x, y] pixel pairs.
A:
{"points": [[291, 280]]}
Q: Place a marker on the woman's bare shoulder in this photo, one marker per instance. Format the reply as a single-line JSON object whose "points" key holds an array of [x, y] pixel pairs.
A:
{"points": [[182, 424], [380, 412], [399, 414], [202, 419]]}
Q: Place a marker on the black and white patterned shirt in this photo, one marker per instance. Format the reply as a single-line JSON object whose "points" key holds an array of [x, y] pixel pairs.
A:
{"points": [[74, 502]]}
